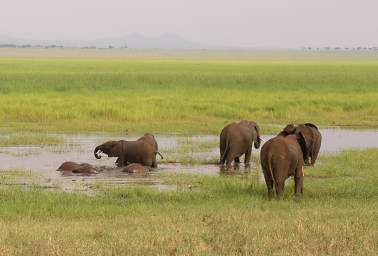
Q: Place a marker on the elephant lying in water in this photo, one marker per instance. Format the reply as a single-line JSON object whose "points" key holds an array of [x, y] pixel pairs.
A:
{"points": [[236, 139], [142, 151], [78, 168], [286, 154], [136, 168]]}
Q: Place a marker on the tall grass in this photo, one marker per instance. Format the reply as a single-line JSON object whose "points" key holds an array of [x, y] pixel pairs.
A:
{"points": [[181, 95], [225, 215]]}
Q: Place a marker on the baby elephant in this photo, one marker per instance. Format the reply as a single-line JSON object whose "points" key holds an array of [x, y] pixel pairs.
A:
{"points": [[77, 168], [136, 168]]}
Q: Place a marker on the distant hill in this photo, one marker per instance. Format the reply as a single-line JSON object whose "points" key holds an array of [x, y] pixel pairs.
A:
{"points": [[134, 40]]}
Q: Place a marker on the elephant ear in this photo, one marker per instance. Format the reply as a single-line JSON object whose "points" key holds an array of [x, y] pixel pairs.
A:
{"points": [[302, 143], [311, 125], [289, 129]]}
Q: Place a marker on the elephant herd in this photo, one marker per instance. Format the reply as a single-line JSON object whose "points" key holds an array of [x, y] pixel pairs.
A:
{"points": [[281, 157]]}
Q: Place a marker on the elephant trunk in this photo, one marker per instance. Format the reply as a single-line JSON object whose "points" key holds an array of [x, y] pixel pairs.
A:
{"points": [[98, 156]]}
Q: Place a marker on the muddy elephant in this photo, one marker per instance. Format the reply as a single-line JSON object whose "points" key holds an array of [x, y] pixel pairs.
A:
{"points": [[141, 151], [136, 168], [78, 168], [286, 154], [148, 138], [236, 139]]}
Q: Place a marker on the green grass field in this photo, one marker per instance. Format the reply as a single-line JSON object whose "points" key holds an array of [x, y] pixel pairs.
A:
{"points": [[190, 92], [164, 95], [227, 215]]}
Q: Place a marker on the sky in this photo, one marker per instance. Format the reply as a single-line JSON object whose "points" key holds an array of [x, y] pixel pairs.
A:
{"points": [[238, 23]]}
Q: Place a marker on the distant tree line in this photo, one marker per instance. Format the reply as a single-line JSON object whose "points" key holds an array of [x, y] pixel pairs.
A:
{"points": [[360, 48]]}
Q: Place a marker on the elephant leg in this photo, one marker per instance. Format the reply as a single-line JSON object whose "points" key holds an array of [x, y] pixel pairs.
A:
{"points": [[247, 157], [280, 186], [221, 161], [154, 163], [229, 159], [147, 162], [298, 181], [121, 161], [269, 184]]}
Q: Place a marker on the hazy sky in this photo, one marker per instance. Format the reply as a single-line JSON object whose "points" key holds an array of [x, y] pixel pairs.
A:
{"points": [[247, 23]]}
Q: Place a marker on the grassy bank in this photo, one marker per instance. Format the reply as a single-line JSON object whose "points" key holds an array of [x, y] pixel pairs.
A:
{"points": [[224, 215], [22, 139], [186, 96]]}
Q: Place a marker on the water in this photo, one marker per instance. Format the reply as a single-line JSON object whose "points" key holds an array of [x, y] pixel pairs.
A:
{"points": [[79, 148]]}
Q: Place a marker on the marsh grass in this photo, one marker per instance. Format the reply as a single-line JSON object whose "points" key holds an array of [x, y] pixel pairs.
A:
{"points": [[23, 139], [191, 151], [189, 159], [19, 177], [184, 96], [225, 215], [190, 145]]}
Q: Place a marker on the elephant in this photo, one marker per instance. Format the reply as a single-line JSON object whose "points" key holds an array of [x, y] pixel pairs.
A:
{"points": [[136, 168], [148, 138], [78, 168], [236, 139], [285, 155], [142, 151], [312, 135]]}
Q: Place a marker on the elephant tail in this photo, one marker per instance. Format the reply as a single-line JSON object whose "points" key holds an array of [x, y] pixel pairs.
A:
{"points": [[225, 153], [266, 164], [270, 168], [157, 152]]}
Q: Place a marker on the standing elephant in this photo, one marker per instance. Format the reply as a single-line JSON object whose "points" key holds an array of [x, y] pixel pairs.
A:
{"points": [[141, 151], [236, 139], [286, 154], [147, 138]]}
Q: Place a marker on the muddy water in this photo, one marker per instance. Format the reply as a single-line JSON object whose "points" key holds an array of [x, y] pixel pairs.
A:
{"points": [[79, 148]]}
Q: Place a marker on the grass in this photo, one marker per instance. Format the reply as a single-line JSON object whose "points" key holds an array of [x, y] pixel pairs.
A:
{"points": [[184, 96], [22, 139], [190, 145], [191, 150], [224, 215]]}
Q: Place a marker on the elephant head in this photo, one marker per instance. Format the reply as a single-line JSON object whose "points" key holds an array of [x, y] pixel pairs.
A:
{"points": [[111, 148], [311, 136], [313, 139], [255, 132], [289, 129]]}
